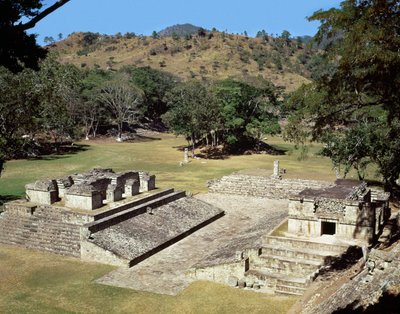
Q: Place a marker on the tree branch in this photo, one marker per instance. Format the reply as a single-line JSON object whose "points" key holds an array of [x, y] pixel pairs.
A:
{"points": [[42, 15]]}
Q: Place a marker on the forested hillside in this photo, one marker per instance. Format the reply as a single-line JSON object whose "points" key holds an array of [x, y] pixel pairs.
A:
{"points": [[205, 55]]}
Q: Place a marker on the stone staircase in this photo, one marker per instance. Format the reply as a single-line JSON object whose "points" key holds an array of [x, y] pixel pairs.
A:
{"points": [[289, 265], [58, 229], [40, 232]]}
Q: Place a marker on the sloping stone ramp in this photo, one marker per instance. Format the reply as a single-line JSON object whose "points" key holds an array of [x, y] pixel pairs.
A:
{"points": [[130, 236]]}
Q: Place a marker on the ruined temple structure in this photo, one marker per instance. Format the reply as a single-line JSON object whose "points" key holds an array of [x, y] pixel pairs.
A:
{"points": [[348, 210], [104, 216], [324, 220], [122, 219]]}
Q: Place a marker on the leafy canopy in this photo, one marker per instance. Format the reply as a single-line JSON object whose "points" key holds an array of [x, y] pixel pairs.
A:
{"points": [[355, 107]]}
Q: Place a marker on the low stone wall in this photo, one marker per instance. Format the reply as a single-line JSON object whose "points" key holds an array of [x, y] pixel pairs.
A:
{"points": [[45, 228], [239, 184]]}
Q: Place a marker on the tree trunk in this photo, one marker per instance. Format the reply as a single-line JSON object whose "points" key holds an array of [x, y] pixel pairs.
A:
{"points": [[193, 139], [119, 138]]}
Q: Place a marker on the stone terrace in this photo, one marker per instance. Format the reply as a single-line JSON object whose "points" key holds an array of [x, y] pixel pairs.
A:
{"points": [[261, 186], [145, 234], [168, 272]]}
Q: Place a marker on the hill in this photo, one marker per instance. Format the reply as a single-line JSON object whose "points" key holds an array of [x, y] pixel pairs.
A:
{"points": [[180, 30], [208, 56]]}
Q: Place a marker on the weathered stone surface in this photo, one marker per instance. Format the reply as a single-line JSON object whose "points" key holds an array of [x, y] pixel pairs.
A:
{"points": [[167, 271], [232, 281], [380, 274], [132, 187], [141, 234], [147, 182], [261, 186]]}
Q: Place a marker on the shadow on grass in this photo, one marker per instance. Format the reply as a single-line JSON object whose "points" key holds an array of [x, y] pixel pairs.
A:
{"points": [[8, 198], [224, 152], [141, 139], [54, 151]]}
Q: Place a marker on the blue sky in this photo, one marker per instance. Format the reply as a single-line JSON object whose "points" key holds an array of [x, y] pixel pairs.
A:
{"points": [[142, 17]]}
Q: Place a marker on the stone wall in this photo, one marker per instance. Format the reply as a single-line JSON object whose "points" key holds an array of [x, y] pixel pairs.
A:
{"points": [[42, 227], [259, 186]]}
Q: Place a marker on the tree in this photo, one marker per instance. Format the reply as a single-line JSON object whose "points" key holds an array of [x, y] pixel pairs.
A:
{"points": [[58, 93], [92, 112], [122, 99], [359, 99], [155, 84], [247, 109], [192, 111], [18, 49], [19, 109], [49, 40], [155, 35]]}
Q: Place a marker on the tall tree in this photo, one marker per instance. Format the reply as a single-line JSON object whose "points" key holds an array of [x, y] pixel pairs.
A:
{"points": [[58, 90], [361, 92], [122, 99], [19, 109], [18, 49], [192, 111]]}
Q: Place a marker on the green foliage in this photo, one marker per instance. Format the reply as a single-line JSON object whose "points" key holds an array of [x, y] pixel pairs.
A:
{"points": [[122, 99], [247, 109], [354, 107], [19, 109], [155, 84], [58, 94], [155, 35], [192, 110]]}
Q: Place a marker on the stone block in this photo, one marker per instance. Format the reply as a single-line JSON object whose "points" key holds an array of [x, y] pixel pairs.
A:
{"points": [[242, 283], [232, 281], [83, 196], [42, 192], [147, 182], [114, 193], [132, 187]]}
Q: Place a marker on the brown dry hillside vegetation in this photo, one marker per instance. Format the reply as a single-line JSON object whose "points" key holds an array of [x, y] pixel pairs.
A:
{"points": [[214, 55]]}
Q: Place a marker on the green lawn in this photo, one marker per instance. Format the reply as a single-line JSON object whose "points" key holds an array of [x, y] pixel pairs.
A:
{"points": [[34, 282], [161, 157]]}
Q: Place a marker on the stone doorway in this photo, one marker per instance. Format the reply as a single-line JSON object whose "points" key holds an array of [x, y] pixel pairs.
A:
{"points": [[328, 228]]}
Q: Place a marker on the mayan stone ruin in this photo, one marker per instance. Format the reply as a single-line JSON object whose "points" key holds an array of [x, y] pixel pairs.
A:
{"points": [[104, 216], [276, 239]]}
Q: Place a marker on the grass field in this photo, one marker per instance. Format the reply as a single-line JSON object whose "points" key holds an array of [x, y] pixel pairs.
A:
{"points": [[161, 156], [33, 282]]}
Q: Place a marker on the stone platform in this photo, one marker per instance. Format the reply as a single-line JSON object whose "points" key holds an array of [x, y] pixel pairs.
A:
{"points": [[245, 221], [134, 239]]}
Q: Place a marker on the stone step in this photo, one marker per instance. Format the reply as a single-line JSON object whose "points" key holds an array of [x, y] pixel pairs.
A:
{"points": [[287, 270], [283, 289], [302, 253], [286, 265], [108, 221], [135, 203], [272, 279], [285, 242]]}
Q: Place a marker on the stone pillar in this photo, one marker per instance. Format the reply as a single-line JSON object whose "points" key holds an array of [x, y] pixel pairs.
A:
{"points": [[276, 174], [147, 182], [114, 193], [186, 156], [132, 187]]}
